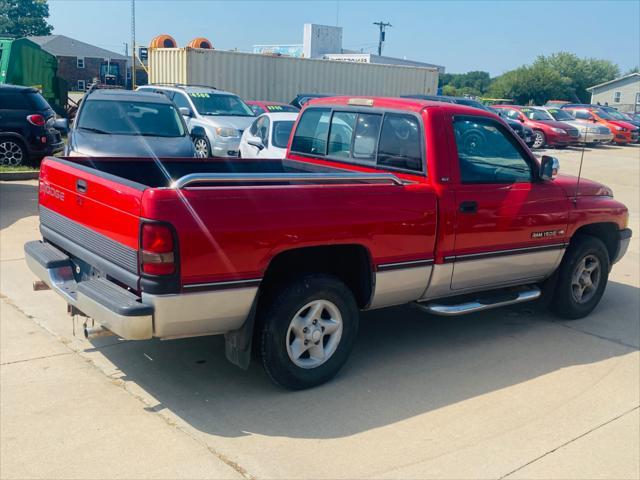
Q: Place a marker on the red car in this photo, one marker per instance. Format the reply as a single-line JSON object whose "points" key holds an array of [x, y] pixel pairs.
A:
{"points": [[623, 132], [259, 107], [546, 130], [380, 202]]}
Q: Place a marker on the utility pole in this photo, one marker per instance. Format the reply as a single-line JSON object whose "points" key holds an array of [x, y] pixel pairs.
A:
{"points": [[382, 26], [133, 44]]}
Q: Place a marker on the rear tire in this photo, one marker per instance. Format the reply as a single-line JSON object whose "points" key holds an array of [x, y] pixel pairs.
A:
{"points": [[582, 278], [307, 331], [12, 152]]}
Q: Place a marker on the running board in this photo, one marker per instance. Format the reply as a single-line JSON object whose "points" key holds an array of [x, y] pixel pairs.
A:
{"points": [[481, 304]]}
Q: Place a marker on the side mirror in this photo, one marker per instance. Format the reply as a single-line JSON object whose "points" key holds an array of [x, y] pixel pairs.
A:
{"points": [[185, 112], [594, 120], [521, 119], [197, 132], [549, 167], [255, 142], [61, 124]]}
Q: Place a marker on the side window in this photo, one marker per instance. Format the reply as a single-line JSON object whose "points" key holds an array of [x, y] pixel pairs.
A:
{"points": [[513, 114], [181, 101], [488, 153], [311, 133], [366, 138], [13, 101], [581, 114], [342, 124], [400, 145], [263, 131], [253, 130]]}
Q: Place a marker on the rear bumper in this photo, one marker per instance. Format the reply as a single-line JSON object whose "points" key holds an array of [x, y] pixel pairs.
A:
{"points": [[209, 312], [624, 237]]}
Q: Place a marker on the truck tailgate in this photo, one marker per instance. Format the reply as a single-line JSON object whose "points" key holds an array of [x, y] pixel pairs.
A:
{"points": [[92, 215]]}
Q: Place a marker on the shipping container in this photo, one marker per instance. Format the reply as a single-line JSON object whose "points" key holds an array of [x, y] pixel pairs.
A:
{"points": [[23, 62], [264, 77]]}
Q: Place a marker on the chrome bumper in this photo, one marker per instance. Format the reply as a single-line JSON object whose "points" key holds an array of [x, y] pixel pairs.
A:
{"points": [[623, 244], [210, 312], [56, 270]]}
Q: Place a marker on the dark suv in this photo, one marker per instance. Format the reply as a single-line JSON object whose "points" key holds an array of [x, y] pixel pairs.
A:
{"points": [[28, 126]]}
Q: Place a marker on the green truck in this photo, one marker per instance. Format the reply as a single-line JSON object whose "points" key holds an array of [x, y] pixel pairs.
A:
{"points": [[23, 62]]}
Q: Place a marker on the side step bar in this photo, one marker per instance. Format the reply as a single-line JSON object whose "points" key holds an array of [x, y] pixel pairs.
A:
{"points": [[532, 293]]}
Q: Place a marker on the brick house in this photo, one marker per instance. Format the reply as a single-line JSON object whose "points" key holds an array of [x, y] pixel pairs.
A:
{"points": [[81, 64]]}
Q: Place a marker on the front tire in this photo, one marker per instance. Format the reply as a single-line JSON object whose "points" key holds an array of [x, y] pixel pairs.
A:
{"points": [[307, 331], [582, 278], [202, 146], [539, 139]]}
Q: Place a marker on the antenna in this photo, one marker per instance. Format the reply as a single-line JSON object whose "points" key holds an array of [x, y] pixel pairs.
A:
{"points": [[584, 146]]}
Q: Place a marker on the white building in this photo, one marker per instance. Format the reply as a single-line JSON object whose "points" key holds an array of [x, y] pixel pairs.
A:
{"points": [[622, 93], [325, 42]]}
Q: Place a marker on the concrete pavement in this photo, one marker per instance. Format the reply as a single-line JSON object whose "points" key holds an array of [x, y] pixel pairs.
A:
{"points": [[510, 393]]}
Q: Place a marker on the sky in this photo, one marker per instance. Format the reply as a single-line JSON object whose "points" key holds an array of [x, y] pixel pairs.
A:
{"points": [[494, 36]]}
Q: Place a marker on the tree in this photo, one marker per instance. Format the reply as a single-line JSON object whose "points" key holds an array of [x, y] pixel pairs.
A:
{"points": [[470, 83], [635, 69], [561, 76], [22, 18]]}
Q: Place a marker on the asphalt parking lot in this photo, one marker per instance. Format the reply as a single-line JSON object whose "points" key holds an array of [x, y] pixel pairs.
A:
{"points": [[511, 393]]}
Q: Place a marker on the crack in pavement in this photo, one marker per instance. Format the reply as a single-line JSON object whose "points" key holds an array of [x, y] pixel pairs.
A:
{"points": [[601, 337], [36, 358], [569, 441]]}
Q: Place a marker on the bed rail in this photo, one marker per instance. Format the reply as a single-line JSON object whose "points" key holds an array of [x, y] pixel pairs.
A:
{"points": [[202, 178]]}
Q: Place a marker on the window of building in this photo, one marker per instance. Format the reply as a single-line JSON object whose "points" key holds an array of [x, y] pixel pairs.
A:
{"points": [[81, 85], [400, 145], [638, 98], [487, 153], [80, 62], [616, 97]]}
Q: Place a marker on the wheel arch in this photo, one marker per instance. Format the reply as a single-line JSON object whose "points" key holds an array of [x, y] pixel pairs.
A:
{"points": [[351, 263], [607, 232]]}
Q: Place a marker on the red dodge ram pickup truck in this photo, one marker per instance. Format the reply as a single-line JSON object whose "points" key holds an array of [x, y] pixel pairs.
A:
{"points": [[380, 202]]}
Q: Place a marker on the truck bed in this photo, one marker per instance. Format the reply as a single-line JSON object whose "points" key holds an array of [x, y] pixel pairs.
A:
{"points": [[157, 173]]}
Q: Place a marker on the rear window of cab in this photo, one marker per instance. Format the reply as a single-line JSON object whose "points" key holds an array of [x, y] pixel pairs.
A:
{"points": [[390, 140]]}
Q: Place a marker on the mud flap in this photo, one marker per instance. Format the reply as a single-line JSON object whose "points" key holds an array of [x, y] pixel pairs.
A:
{"points": [[237, 343]]}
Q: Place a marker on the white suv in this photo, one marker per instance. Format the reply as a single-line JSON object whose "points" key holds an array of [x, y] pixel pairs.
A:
{"points": [[223, 115]]}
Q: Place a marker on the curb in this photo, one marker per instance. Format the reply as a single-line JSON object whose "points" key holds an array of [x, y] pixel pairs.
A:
{"points": [[14, 176]]}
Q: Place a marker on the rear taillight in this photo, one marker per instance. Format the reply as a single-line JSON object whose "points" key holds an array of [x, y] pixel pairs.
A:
{"points": [[157, 249], [37, 120]]}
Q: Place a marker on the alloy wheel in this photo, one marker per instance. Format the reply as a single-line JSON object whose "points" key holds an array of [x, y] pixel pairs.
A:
{"points": [[11, 153], [585, 279], [202, 149], [314, 334], [538, 141]]}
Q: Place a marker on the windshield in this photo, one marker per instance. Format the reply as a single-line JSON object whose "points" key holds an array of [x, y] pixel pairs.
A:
{"points": [[616, 114], [604, 114], [131, 118], [281, 133], [535, 114], [217, 104], [559, 115]]}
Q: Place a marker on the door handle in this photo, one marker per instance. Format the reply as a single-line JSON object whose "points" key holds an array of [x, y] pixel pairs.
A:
{"points": [[81, 186], [469, 207]]}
